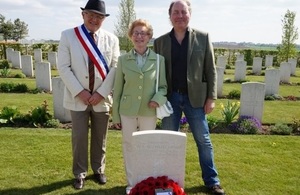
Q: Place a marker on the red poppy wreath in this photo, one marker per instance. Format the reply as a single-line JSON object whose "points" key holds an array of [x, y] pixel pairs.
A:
{"points": [[148, 186]]}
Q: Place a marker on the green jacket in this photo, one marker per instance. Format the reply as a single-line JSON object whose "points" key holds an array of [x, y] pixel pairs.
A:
{"points": [[134, 88], [201, 70]]}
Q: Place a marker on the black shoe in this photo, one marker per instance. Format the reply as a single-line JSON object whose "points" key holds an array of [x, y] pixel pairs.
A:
{"points": [[217, 189], [78, 183], [100, 178]]}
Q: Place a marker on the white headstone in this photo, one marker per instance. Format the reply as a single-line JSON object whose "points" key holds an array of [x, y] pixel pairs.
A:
{"points": [[221, 61], [43, 76], [16, 59], [60, 113], [252, 99], [220, 77], [293, 63], [159, 153], [27, 65], [272, 81], [257, 65], [52, 58], [269, 61], [240, 57], [240, 70], [285, 72], [38, 56], [9, 53]]}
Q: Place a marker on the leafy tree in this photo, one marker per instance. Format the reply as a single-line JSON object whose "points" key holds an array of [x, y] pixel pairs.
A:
{"points": [[20, 30], [7, 29], [16, 31], [287, 48], [126, 16], [2, 18]]}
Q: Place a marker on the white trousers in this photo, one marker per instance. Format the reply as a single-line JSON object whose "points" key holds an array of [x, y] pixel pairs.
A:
{"points": [[132, 124]]}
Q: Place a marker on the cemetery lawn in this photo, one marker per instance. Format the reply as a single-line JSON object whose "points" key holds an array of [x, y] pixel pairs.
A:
{"points": [[274, 111], [38, 161]]}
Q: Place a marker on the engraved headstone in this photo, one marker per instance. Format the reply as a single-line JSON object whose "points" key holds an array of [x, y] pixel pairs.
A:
{"points": [[252, 99], [159, 153]]}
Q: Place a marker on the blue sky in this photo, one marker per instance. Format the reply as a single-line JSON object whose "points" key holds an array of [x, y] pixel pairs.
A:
{"points": [[257, 21]]}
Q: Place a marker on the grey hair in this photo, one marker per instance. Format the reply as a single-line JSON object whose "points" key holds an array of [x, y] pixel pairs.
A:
{"points": [[175, 1]]}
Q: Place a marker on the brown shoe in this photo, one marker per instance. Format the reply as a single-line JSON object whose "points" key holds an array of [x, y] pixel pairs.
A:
{"points": [[78, 183], [217, 189], [100, 178]]}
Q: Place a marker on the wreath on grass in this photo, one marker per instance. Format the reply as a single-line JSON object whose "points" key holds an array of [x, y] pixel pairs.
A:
{"points": [[148, 186]]}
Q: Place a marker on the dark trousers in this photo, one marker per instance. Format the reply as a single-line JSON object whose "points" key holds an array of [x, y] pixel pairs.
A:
{"points": [[80, 139]]}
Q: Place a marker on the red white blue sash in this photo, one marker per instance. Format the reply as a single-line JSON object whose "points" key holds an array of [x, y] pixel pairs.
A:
{"points": [[92, 50]]}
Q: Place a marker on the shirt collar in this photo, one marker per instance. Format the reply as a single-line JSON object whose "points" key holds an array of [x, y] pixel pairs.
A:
{"points": [[143, 55]]}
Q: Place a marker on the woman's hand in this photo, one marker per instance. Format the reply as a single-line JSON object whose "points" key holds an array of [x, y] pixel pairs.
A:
{"points": [[153, 104]]}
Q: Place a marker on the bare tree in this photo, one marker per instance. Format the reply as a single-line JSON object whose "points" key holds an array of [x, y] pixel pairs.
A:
{"points": [[126, 16], [287, 48]]}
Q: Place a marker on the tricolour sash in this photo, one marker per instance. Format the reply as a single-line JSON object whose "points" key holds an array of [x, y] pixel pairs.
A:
{"points": [[92, 50]]}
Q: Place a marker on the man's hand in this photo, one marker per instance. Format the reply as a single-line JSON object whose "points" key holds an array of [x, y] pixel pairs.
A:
{"points": [[209, 106], [85, 95], [95, 99]]}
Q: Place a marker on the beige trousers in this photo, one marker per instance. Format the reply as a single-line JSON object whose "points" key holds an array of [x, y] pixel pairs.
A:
{"points": [[80, 140], [131, 124]]}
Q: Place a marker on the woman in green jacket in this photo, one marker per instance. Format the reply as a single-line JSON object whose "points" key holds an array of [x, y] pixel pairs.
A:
{"points": [[134, 97]]}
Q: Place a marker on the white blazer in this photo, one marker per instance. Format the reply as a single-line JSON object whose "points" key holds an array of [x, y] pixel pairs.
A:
{"points": [[73, 69]]}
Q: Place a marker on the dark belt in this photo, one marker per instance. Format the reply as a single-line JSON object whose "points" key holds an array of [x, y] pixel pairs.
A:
{"points": [[181, 91]]}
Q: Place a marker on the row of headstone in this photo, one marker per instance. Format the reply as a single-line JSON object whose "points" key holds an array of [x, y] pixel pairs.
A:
{"points": [[15, 57], [257, 63], [41, 71], [44, 81], [273, 77]]}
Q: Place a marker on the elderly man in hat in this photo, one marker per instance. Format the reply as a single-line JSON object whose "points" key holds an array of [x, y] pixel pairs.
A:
{"points": [[87, 58]]}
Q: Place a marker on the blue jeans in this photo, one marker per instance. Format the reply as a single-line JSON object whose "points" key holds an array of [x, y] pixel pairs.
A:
{"points": [[198, 124]]}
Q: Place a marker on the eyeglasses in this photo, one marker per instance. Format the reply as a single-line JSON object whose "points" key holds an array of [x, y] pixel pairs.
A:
{"points": [[135, 34], [91, 15]]}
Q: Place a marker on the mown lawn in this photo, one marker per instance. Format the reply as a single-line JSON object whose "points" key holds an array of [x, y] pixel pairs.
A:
{"points": [[38, 161]]}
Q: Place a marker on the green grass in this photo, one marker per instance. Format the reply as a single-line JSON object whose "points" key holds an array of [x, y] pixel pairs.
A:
{"points": [[274, 111], [38, 161]]}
